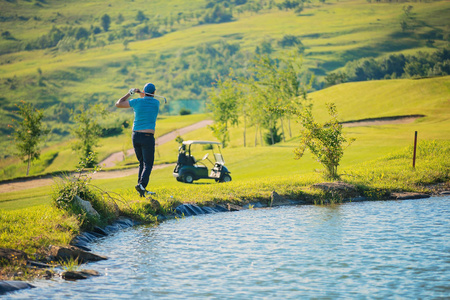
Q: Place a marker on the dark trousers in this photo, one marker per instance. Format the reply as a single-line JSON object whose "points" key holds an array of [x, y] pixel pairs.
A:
{"points": [[144, 147]]}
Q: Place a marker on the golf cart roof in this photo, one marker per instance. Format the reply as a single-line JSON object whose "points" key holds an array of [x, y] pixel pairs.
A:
{"points": [[200, 142]]}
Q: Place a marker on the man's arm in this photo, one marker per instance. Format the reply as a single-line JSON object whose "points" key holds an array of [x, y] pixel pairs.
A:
{"points": [[123, 102]]}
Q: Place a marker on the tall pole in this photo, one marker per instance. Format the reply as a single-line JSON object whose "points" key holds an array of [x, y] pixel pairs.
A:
{"points": [[415, 147]]}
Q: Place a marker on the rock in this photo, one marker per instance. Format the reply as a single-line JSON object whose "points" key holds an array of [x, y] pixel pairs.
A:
{"points": [[408, 195], [155, 206], [233, 207], [338, 189], [100, 231], [71, 252], [90, 272], [194, 210], [277, 200], [220, 208], [39, 265], [445, 193], [12, 255], [48, 274], [253, 205], [75, 275], [86, 206], [11, 286]]}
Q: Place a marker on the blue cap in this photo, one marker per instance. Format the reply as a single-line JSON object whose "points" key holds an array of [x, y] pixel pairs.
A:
{"points": [[149, 88]]}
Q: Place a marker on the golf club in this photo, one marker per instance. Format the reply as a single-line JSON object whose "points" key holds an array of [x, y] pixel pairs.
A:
{"points": [[160, 97], [132, 91]]}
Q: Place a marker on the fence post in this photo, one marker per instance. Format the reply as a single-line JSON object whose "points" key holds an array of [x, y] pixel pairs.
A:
{"points": [[415, 147]]}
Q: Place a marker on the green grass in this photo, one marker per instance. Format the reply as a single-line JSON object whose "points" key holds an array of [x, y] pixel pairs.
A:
{"points": [[35, 228]]}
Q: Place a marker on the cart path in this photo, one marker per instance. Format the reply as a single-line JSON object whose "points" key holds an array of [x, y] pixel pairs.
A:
{"points": [[110, 161], [23, 184]]}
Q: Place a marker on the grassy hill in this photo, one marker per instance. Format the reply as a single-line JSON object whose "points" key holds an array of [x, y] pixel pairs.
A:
{"points": [[174, 47]]}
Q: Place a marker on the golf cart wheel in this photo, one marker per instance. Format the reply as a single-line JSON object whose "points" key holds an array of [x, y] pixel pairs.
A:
{"points": [[179, 179], [225, 178], [188, 178]]}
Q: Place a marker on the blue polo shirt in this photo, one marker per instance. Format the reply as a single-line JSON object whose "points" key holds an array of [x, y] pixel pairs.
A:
{"points": [[145, 112]]}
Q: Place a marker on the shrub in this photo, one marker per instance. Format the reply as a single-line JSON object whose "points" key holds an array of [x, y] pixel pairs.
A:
{"points": [[273, 137], [325, 141], [184, 112], [65, 192]]}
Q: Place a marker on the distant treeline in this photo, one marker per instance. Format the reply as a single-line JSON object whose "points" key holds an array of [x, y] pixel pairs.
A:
{"points": [[394, 66]]}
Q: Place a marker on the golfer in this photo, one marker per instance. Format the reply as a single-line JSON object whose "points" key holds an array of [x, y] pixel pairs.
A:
{"points": [[146, 109]]}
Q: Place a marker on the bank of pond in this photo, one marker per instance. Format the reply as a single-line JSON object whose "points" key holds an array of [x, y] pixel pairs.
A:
{"points": [[62, 261]]}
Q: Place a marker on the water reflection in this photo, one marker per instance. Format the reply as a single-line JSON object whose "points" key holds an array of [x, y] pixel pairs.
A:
{"points": [[392, 249]]}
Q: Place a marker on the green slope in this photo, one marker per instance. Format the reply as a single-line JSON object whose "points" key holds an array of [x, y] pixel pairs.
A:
{"points": [[333, 33]]}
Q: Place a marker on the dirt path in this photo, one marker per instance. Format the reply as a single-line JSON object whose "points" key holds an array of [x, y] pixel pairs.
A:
{"points": [[22, 184]]}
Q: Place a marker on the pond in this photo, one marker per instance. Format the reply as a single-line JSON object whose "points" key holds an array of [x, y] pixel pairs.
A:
{"points": [[383, 249]]}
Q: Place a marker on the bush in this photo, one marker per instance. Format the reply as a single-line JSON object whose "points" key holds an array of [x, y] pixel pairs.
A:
{"points": [[289, 41], [273, 137], [65, 192], [325, 141], [184, 112]]}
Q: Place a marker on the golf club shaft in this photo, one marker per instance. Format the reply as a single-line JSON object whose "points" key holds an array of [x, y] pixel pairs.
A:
{"points": [[157, 96]]}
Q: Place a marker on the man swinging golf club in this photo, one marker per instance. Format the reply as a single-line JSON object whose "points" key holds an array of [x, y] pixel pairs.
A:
{"points": [[146, 109]]}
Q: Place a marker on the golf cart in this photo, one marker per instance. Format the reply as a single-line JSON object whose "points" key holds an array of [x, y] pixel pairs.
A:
{"points": [[189, 169]]}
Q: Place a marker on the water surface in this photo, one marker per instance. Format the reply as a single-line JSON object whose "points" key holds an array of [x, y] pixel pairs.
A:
{"points": [[368, 250]]}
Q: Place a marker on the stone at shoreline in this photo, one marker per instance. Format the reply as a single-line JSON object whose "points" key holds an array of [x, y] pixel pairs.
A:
{"points": [[65, 253], [11, 255], [11, 286], [233, 207], [75, 275], [39, 265], [87, 207], [277, 200], [338, 189], [193, 210], [408, 195]]}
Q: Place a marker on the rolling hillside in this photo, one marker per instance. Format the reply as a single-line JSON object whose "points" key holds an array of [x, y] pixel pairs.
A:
{"points": [[182, 49]]}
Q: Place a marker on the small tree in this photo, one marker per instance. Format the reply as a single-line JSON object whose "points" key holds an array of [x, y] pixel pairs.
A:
{"points": [[224, 105], [29, 132], [87, 131], [325, 141], [106, 22]]}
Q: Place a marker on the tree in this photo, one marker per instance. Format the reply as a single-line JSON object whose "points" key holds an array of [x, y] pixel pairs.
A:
{"points": [[87, 130], [335, 78], [29, 132], [82, 33], [141, 16], [224, 106], [325, 141], [106, 21], [120, 19], [218, 14], [276, 84]]}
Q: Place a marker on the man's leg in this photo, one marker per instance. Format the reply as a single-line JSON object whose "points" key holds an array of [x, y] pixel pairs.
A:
{"points": [[138, 151], [148, 158]]}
